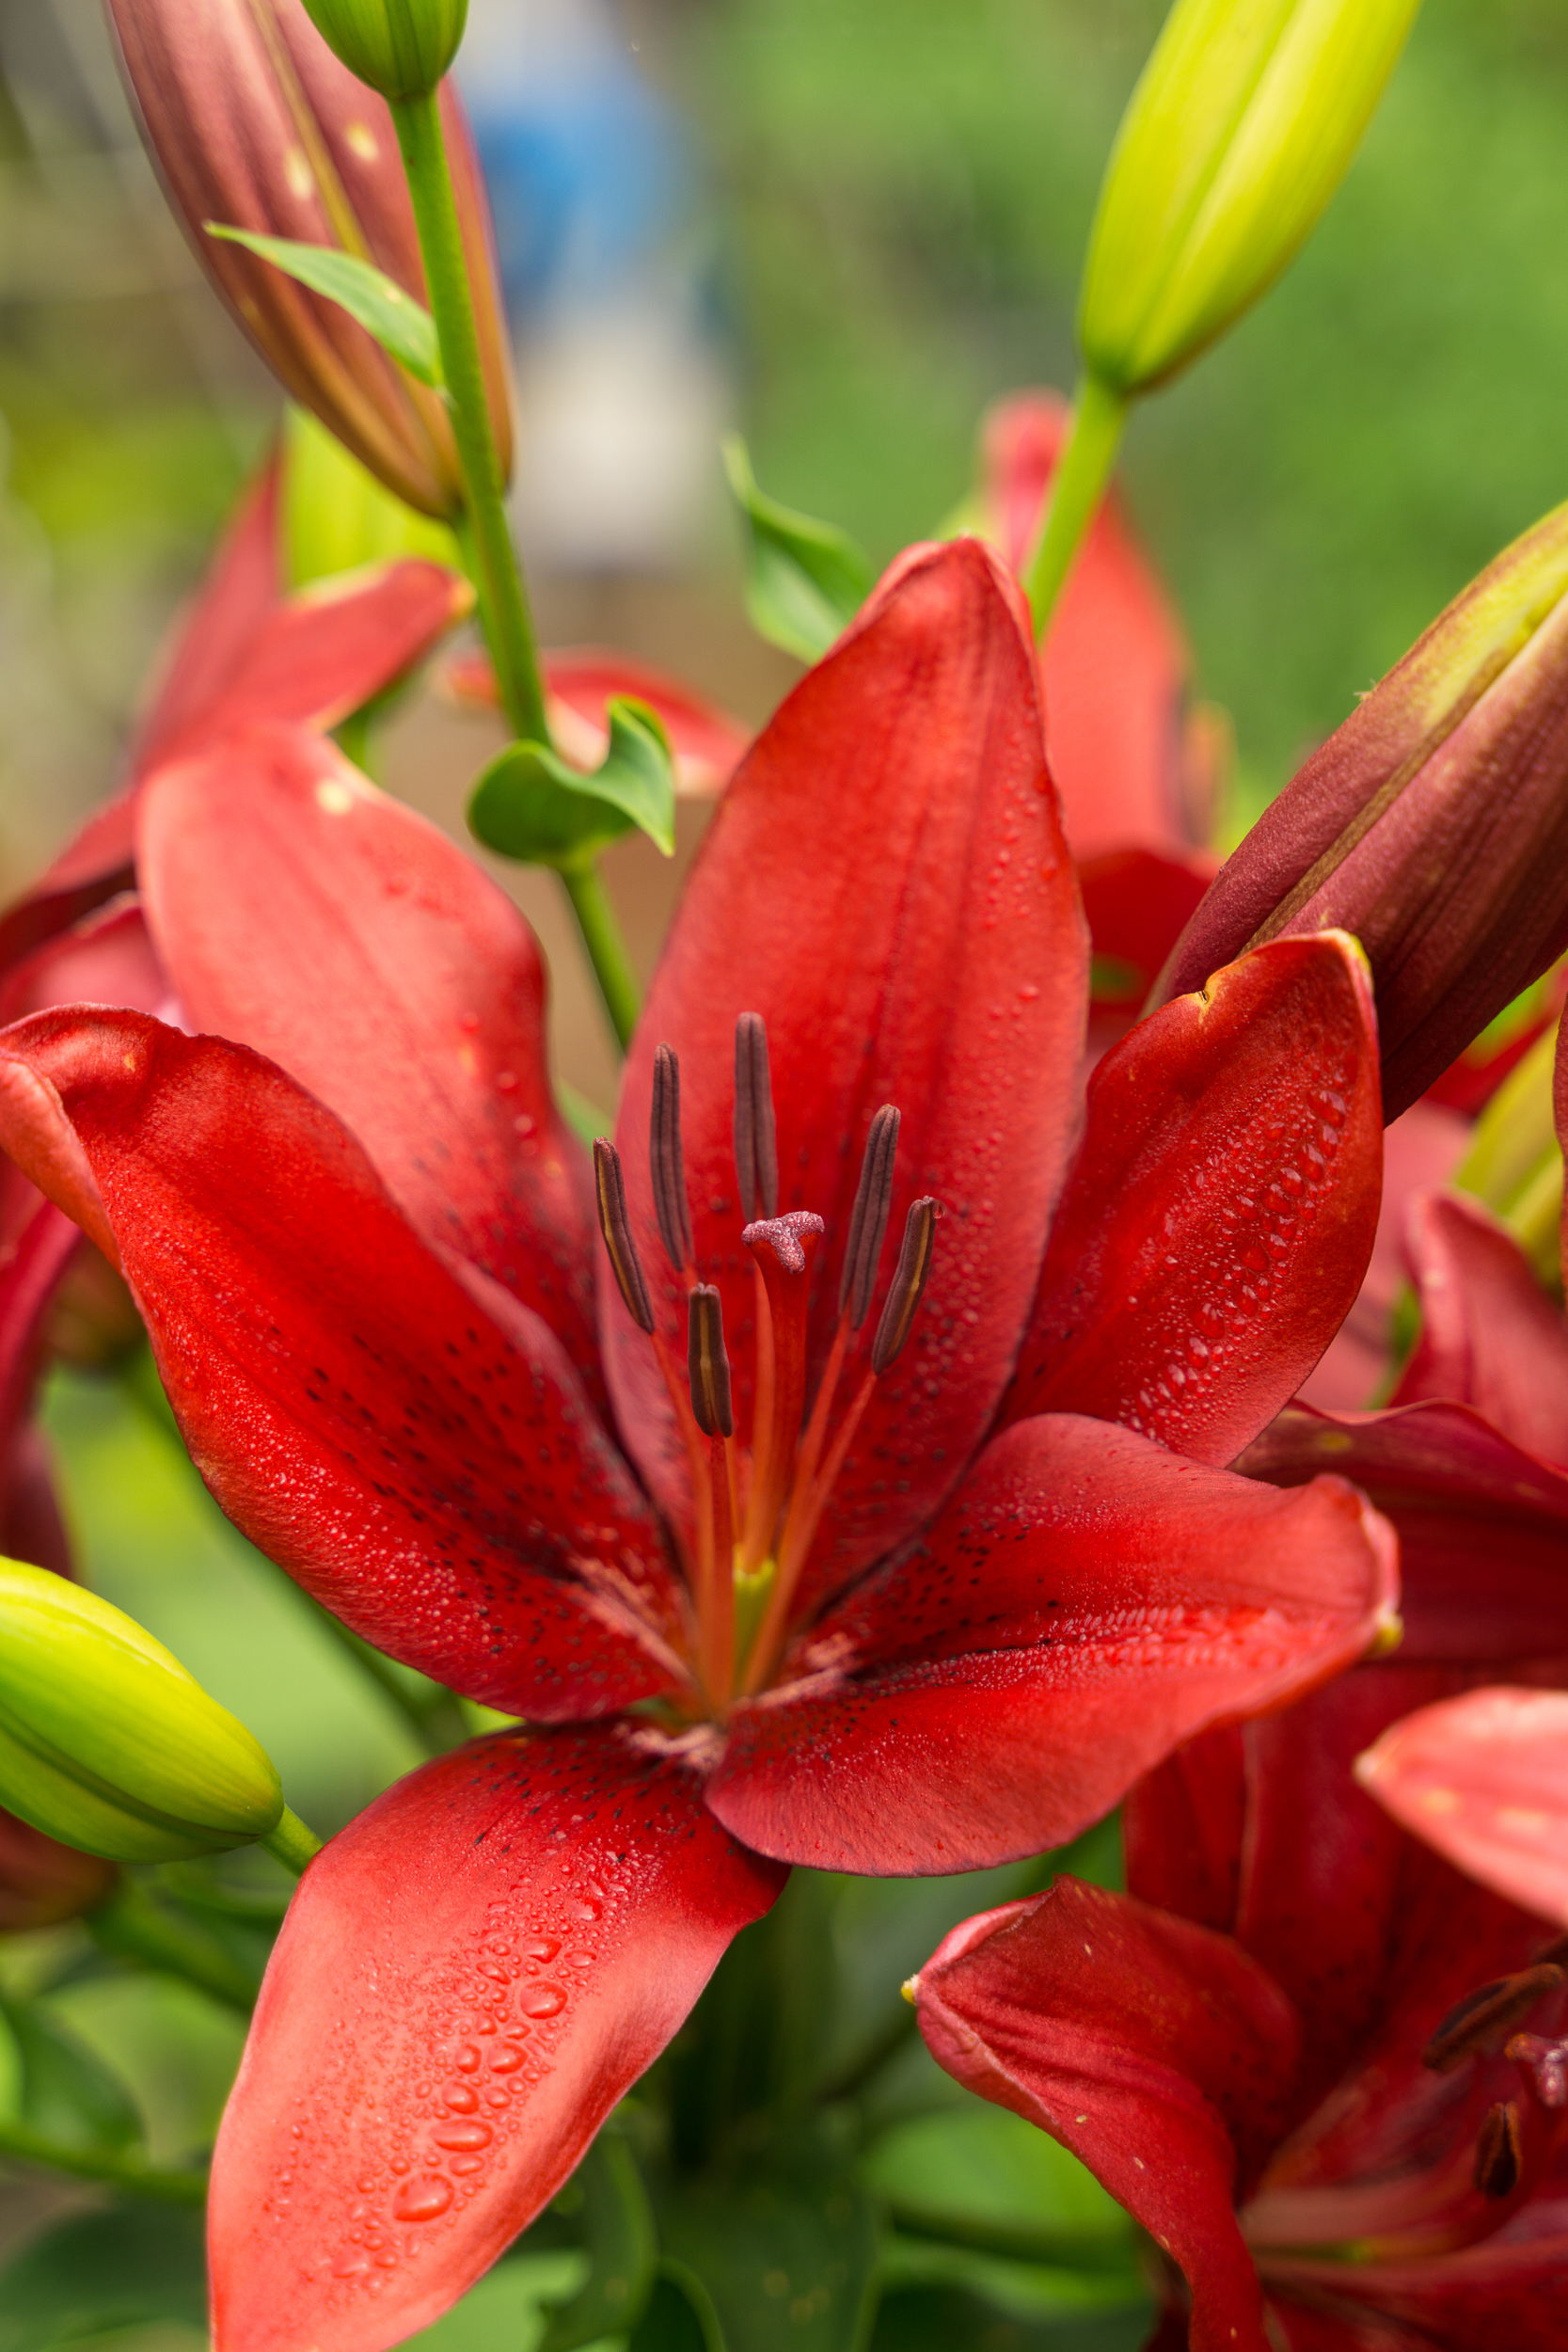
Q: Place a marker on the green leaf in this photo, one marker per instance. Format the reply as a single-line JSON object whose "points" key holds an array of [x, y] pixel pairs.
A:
{"points": [[680, 2317], [67, 2092], [528, 803], [104, 2270], [988, 2179], [805, 580], [401, 326], [787, 2257], [622, 2249], [937, 2318]]}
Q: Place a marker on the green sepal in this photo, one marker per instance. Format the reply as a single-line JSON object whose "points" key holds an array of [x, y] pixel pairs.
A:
{"points": [[805, 580], [401, 326], [530, 805], [620, 2246]]}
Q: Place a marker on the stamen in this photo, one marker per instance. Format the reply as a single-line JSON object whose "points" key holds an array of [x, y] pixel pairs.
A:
{"points": [[869, 1222], [615, 1226], [1499, 2153], [909, 1283], [666, 1163], [708, 1366], [756, 1143], [1481, 2015]]}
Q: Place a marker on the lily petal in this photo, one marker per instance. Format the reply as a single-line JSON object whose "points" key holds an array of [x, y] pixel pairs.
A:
{"points": [[1222, 1209], [1489, 1336], [1458, 1493], [1085, 1603], [886, 883], [1484, 1779], [303, 912], [1145, 2046], [243, 585], [441, 1485], [317, 656], [469, 1978]]}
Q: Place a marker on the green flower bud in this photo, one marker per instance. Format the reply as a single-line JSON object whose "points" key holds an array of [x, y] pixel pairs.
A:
{"points": [[107, 1743], [1240, 130], [399, 47]]}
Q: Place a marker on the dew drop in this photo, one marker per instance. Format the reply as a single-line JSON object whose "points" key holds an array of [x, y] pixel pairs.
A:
{"points": [[350, 2264], [461, 2097], [542, 1948], [506, 2060], [463, 2138], [423, 2200], [468, 2059], [466, 2165], [540, 2000], [586, 1909]]}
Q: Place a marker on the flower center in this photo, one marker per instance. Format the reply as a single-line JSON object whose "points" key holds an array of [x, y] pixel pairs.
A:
{"points": [[757, 1507]]}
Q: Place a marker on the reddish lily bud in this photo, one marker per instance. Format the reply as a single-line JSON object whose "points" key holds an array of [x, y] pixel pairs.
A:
{"points": [[254, 122], [1433, 825]]}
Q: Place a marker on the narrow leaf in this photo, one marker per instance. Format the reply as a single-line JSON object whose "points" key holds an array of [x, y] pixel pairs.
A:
{"points": [[528, 803], [622, 2248], [68, 2093], [400, 324], [805, 580]]}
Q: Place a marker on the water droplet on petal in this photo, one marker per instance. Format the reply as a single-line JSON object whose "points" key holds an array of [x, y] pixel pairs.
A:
{"points": [[350, 2264], [541, 2000], [468, 2059], [464, 2137], [461, 2097], [422, 2199]]}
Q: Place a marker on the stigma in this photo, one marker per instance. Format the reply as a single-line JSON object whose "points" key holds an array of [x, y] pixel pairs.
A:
{"points": [[757, 1507]]}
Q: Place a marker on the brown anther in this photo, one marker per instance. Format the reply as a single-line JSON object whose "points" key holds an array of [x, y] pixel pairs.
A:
{"points": [[666, 1163], [909, 1283], [1499, 2153], [1482, 2015], [706, 1362], [756, 1142], [868, 1221], [615, 1226], [1554, 1953]]}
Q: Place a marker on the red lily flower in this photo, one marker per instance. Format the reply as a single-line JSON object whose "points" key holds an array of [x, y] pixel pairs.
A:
{"points": [[946, 1640], [1291, 2049]]}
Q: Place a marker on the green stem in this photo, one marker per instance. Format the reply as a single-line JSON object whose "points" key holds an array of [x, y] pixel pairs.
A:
{"points": [[484, 531], [133, 1927], [103, 2163], [291, 1843], [418, 122], [1079, 485], [606, 950]]}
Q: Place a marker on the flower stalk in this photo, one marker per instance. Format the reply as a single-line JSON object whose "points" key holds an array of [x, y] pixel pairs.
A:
{"points": [[482, 531], [1099, 417]]}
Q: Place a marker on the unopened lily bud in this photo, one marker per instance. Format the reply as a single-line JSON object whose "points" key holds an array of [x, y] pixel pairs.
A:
{"points": [[254, 123], [1433, 825], [399, 47], [1240, 130], [107, 1743]]}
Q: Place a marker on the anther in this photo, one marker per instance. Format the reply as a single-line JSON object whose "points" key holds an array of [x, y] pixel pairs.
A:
{"points": [[666, 1163], [756, 1145], [615, 1226], [1481, 2015], [869, 1222], [706, 1362], [1500, 2154], [909, 1283]]}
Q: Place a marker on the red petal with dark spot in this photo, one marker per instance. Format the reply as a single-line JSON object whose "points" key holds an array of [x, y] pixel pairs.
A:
{"points": [[1221, 1212], [303, 912], [1087, 1601], [1146, 2045], [468, 1978], [885, 882], [437, 1481]]}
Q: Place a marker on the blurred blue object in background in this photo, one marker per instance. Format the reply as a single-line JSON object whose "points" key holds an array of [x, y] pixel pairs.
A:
{"points": [[621, 374]]}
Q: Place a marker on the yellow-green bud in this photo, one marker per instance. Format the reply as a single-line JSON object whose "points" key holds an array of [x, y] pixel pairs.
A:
{"points": [[107, 1743], [399, 47], [1240, 130]]}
